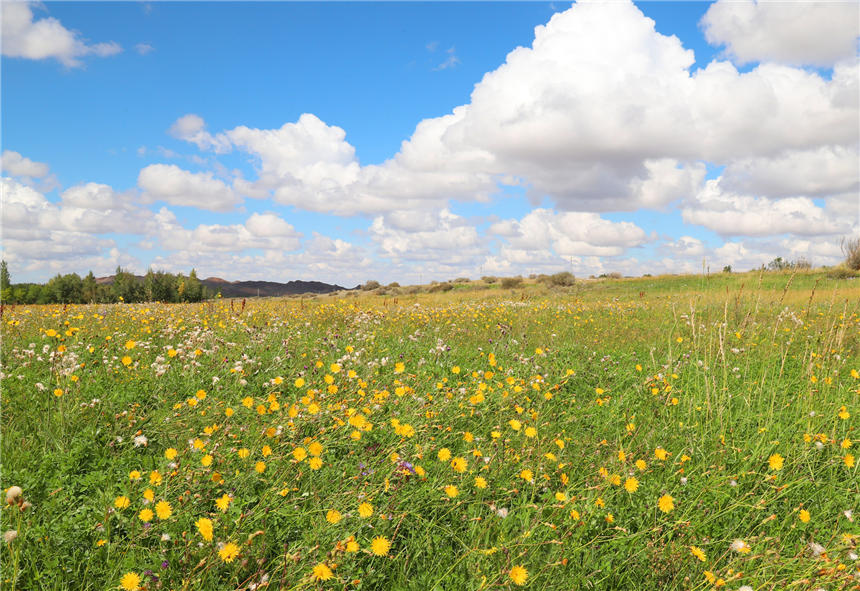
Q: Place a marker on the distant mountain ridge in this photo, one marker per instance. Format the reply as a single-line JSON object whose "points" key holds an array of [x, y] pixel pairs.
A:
{"points": [[247, 289]]}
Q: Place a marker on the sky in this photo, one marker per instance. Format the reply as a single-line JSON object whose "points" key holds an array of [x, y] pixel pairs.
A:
{"points": [[411, 142]]}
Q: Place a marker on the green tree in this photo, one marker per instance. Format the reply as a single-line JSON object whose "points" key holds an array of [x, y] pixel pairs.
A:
{"points": [[90, 288], [5, 282]]}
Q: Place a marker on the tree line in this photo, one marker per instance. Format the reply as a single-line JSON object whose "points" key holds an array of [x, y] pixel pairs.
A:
{"points": [[71, 288]]}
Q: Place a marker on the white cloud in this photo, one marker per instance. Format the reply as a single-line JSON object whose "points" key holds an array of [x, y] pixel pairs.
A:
{"points": [[823, 171], [799, 33], [569, 233], [601, 113], [144, 48], [173, 185], [45, 38], [451, 60], [192, 128], [448, 238], [732, 214], [260, 231], [16, 165]]}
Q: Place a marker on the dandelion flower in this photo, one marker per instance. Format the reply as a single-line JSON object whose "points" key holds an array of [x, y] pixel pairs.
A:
{"points": [[519, 575], [451, 491], [300, 454], [698, 553], [380, 546], [660, 453], [130, 582], [480, 482], [666, 503], [352, 546], [740, 546], [804, 516], [459, 464], [170, 453], [145, 515], [121, 502], [849, 460], [260, 467], [775, 462], [530, 432], [223, 502], [527, 475], [444, 454], [333, 516], [229, 552], [365, 510], [204, 526], [321, 572], [163, 509], [631, 485], [315, 463], [315, 449]]}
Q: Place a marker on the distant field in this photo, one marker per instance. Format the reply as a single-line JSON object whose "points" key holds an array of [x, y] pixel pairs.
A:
{"points": [[691, 432]]}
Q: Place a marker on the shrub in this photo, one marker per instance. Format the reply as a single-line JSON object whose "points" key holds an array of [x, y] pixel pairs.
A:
{"points": [[393, 284], [512, 282], [438, 287], [489, 279], [563, 279], [851, 250], [841, 272], [462, 280], [370, 285]]}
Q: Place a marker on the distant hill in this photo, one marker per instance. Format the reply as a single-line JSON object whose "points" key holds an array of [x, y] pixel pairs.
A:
{"points": [[247, 289]]}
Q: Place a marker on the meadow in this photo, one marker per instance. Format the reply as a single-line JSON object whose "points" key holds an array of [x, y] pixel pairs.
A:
{"points": [[693, 433]]}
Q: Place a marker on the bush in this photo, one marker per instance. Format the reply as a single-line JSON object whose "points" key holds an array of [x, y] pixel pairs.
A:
{"points": [[851, 250], [563, 279], [489, 279], [512, 282], [462, 280], [437, 287], [841, 272], [613, 275], [370, 285], [393, 284]]}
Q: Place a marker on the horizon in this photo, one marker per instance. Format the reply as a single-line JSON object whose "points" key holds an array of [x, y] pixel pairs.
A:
{"points": [[343, 143]]}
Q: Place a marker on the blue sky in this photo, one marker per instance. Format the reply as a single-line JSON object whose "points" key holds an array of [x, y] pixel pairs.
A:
{"points": [[119, 126]]}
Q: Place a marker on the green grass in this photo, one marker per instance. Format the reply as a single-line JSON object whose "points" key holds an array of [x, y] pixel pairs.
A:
{"points": [[721, 371]]}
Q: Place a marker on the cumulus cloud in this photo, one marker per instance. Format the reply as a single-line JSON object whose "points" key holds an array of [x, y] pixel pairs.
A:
{"points": [[144, 48], [173, 185], [192, 128], [45, 38], [264, 231], [601, 113], [798, 33], [34, 174], [733, 214]]}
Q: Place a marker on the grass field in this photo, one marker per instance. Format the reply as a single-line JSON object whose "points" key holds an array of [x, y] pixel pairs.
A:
{"points": [[658, 433]]}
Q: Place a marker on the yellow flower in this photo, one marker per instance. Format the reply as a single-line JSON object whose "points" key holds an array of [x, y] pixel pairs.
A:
{"points": [[451, 491], [315, 449], [267, 451], [775, 462], [229, 552], [351, 545], [333, 516], [380, 546], [155, 478], [206, 461], [130, 582], [121, 502], [698, 553], [515, 424], [58, 392], [204, 526], [459, 464], [299, 382], [315, 463], [399, 367], [223, 502], [163, 509], [145, 515], [519, 575], [126, 360], [527, 475], [444, 454], [641, 465], [300, 454], [134, 475], [631, 485], [560, 497], [666, 503], [244, 452], [804, 516], [321, 572], [170, 453], [260, 467], [365, 510], [661, 453], [480, 482], [149, 494], [843, 413], [530, 432], [849, 460]]}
